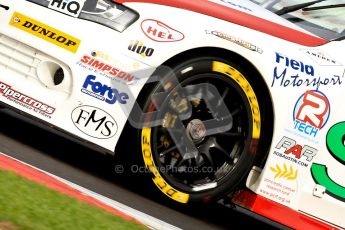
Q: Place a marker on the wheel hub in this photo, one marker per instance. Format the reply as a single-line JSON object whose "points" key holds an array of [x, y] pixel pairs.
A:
{"points": [[196, 130]]}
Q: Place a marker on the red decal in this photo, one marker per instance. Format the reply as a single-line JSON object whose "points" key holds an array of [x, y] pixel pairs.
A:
{"points": [[160, 32]]}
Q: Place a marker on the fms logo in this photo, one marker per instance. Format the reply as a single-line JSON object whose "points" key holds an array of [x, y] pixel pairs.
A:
{"points": [[94, 122], [311, 112], [102, 92]]}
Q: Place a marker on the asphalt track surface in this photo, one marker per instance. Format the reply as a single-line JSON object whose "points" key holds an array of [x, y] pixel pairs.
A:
{"points": [[94, 171]]}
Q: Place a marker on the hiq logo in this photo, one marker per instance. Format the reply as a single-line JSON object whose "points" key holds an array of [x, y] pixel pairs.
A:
{"points": [[311, 112], [103, 92]]}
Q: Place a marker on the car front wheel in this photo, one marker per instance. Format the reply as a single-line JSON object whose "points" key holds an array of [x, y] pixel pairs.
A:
{"points": [[190, 158]]}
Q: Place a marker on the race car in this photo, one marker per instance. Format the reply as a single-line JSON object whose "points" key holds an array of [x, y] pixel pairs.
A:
{"points": [[218, 98]]}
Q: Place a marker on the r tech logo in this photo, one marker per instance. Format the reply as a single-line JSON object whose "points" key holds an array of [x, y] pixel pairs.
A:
{"points": [[311, 112]]}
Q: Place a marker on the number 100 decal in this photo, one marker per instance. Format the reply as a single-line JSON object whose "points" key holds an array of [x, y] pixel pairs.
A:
{"points": [[335, 145]]}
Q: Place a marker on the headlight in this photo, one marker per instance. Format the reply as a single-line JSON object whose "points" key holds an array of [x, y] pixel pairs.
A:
{"points": [[104, 12]]}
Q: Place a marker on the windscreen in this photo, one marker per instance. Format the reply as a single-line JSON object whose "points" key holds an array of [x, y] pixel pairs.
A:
{"points": [[325, 19]]}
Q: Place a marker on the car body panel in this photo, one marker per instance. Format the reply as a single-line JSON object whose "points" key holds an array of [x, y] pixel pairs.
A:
{"points": [[245, 15], [305, 85]]}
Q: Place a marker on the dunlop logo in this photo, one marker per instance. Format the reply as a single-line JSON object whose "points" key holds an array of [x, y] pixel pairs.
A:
{"points": [[45, 32]]}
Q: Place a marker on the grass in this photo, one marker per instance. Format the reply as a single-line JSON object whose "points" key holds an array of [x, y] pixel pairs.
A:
{"points": [[26, 205]]}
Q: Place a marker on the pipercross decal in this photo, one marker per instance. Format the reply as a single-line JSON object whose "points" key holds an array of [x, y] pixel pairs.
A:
{"points": [[25, 101], [94, 122], [311, 113], [70, 7], [45, 32], [160, 32], [335, 145]]}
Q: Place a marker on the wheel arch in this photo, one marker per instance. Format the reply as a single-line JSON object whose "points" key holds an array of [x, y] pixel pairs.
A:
{"points": [[259, 86]]}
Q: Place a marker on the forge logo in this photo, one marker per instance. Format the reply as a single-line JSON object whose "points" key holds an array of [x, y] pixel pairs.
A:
{"points": [[70, 7], [160, 32], [94, 122], [311, 112], [102, 92]]}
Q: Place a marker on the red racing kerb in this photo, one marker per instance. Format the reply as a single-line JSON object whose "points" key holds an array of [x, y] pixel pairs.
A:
{"points": [[37, 176], [241, 18]]}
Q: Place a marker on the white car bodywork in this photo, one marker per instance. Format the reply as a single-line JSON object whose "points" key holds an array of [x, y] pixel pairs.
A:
{"points": [[25, 62]]}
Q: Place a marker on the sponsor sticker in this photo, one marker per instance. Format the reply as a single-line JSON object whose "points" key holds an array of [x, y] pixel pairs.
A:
{"points": [[281, 184], [139, 48], [25, 101], [311, 112], [104, 69], [160, 32], [288, 149], [94, 122], [235, 40], [321, 57], [70, 7], [290, 72], [103, 92], [284, 172], [124, 64], [45, 32]]}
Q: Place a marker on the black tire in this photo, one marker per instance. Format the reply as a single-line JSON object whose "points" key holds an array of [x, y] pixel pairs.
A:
{"points": [[229, 155]]}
